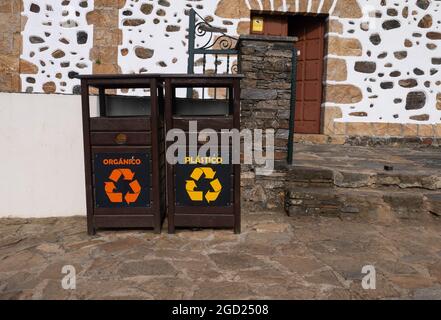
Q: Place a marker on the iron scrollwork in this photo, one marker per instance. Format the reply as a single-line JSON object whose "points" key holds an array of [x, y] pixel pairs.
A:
{"points": [[215, 43], [223, 41]]}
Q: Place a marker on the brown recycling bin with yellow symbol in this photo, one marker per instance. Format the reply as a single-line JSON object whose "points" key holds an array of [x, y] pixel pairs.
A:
{"points": [[202, 191]]}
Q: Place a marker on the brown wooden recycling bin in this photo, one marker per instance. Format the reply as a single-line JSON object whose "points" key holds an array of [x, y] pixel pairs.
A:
{"points": [[124, 152], [202, 194]]}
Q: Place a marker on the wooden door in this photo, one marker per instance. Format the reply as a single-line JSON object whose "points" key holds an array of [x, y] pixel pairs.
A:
{"points": [[310, 31]]}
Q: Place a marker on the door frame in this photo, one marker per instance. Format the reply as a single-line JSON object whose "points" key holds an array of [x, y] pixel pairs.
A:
{"points": [[322, 16]]}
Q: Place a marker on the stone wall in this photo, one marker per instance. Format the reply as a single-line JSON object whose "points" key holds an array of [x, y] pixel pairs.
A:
{"points": [[266, 92], [56, 44], [382, 60], [381, 64], [106, 35], [10, 45]]}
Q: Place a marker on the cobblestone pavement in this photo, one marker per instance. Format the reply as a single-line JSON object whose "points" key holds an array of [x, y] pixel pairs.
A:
{"points": [[275, 257]]}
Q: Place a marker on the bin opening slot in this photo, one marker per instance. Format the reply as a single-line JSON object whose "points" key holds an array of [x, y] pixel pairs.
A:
{"points": [[199, 107], [119, 106], [114, 104]]}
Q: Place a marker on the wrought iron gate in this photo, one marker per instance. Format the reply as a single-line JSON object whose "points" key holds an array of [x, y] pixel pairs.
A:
{"points": [[215, 44]]}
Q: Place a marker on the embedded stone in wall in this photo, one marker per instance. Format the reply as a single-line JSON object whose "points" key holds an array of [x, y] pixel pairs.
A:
{"points": [[425, 22], [423, 4], [365, 66], [146, 8], [408, 83], [415, 100], [144, 53], [375, 39], [434, 35], [344, 46], [49, 87], [391, 24], [231, 9], [386, 85], [28, 67], [343, 93], [418, 71], [82, 37], [420, 117], [335, 26], [243, 27], [329, 116], [400, 55], [336, 69], [133, 22], [359, 114], [172, 28], [348, 9]]}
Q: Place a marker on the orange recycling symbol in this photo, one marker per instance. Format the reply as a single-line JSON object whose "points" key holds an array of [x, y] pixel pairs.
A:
{"points": [[215, 184], [117, 197]]}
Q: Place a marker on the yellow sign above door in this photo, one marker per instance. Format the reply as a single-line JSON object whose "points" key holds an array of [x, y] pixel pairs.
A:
{"points": [[257, 24]]}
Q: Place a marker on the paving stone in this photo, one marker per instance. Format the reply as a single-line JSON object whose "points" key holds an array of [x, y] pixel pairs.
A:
{"points": [[223, 290], [146, 267], [428, 294], [275, 257], [234, 261], [411, 281]]}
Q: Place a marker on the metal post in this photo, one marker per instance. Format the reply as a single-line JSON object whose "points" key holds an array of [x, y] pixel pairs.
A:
{"points": [[102, 99], [293, 106], [191, 44]]}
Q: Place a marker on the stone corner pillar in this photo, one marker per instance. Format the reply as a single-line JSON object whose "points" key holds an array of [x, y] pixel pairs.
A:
{"points": [[265, 62]]}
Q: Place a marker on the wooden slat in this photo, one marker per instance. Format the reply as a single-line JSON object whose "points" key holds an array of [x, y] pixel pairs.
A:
{"points": [[123, 211], [215, 123], [114, 83], [121, 149], [204, 210], [93, 167], [201, 82], [109, 138], [201, 142], [123, 221], [205, 221], [120, 124]]}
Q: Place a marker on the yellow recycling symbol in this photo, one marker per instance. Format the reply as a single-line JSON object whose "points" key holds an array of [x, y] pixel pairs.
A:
{"points": [[210, 196]]}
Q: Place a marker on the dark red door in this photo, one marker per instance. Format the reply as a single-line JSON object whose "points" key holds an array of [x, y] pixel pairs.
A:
{"points": [[309, 87], [310, 31]]}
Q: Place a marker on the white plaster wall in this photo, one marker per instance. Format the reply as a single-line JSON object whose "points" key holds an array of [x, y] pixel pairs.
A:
{"points": [[54, 23], [170, 49], [41, 149], [377, 102]]}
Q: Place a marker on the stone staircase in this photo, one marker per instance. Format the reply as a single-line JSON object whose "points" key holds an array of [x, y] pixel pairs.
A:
{"points": [[371, 194]]}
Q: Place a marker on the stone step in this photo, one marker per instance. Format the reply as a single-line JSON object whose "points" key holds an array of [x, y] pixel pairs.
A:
{"points": [[363, 202], [304, 176]]}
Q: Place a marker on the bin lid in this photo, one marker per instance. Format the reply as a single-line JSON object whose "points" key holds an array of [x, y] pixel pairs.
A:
{"points": [[157, 75]]}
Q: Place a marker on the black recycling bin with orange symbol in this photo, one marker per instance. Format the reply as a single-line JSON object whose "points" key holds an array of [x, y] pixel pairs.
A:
{"points": [[203, 183], [123, 130]]}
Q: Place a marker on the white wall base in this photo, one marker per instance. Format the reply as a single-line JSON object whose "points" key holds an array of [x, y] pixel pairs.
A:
{"points": [[41, 147]]}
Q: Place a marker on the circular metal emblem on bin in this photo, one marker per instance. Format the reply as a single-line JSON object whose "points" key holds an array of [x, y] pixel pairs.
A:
{"points": [[121, 138]]}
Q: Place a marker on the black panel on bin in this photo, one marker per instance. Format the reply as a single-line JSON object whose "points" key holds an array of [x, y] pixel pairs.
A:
{"points": [[122, 180], [203, 185]]}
